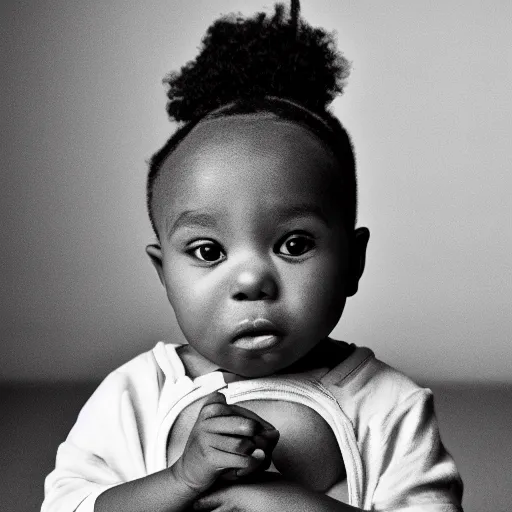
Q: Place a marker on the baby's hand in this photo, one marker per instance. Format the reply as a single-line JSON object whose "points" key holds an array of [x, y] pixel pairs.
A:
{"points": [[226, 440]]}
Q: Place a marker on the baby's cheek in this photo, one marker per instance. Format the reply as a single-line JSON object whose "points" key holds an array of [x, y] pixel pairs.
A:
{"points": [[194, 305], [318, 300]]}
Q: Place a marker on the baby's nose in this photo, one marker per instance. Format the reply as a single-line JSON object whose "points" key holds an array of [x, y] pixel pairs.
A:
{"points": [[256, 283]]}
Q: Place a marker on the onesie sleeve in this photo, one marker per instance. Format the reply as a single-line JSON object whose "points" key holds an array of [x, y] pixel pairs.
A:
{"points": [[417, 474], [105, 447]]}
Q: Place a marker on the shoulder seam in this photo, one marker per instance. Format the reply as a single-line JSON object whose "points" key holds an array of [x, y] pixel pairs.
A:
{"points": [[357, 367]]}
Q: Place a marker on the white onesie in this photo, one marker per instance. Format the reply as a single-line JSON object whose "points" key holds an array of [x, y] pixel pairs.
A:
{"points": [[384, 424]]}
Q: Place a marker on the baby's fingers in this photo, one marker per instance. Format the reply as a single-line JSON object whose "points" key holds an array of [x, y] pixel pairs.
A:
{"points": [[231, 466], [266, 426], [216, 405], [214, 398], [254, 462], [266, 441], [233, 444], [262, 454], [232, 426]]}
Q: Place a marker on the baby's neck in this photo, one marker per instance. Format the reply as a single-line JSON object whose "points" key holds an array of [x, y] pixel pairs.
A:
{"points": [[326, 354]]}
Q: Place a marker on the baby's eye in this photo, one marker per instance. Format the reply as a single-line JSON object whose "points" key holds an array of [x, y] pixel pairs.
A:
{"points": [[296, 245], [210, 252]]}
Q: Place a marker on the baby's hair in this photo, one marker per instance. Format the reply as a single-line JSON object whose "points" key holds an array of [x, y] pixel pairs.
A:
{"points": [[266, 64]]}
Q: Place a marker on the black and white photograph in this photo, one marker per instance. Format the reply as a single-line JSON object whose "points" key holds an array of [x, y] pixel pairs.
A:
{"points": [[256, 256]]}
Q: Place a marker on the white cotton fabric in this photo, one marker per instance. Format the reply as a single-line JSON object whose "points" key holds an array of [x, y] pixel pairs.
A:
{"points": [[384, 424]]}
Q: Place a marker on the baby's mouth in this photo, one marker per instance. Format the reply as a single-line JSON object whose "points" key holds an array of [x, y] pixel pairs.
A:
{"points": [[255, 335]]}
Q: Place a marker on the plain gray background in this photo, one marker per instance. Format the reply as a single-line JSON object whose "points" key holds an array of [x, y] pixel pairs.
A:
{"points": [[429, 107]]}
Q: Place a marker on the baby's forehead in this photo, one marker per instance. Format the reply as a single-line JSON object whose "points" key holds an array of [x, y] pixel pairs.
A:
{"points": [[245, 158], [229, 144], [260, 132]]}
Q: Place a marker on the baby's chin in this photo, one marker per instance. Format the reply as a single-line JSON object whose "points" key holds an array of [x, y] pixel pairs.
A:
{"points": [[260, 369], [254, 362], [233, 377], [317, 356], [250, 371]]}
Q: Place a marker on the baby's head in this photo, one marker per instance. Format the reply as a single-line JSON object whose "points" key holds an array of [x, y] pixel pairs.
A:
{"points": [[253, 200]]}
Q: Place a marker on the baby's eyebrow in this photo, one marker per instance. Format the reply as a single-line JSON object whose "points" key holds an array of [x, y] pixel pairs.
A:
{"points": [[300, 210], [191, 218], [279, 214]]}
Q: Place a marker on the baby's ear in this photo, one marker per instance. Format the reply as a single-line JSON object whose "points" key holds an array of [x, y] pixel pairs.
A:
{"points": [[359, 243], [154, 251]]}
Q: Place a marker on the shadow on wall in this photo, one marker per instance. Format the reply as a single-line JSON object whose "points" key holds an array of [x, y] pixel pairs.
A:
{"points": [[474, 420]]}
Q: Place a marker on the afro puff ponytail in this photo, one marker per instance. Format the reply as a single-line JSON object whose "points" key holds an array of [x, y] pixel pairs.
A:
{"points": [[246, 58], [277, 64]]}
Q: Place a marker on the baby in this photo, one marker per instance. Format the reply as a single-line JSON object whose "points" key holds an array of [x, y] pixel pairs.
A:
{"points": [[253, 202]]}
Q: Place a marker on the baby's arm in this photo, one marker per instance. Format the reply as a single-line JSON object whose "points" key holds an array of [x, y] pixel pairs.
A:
{"points": [[222, 439], [160, 492], [268, 492]]}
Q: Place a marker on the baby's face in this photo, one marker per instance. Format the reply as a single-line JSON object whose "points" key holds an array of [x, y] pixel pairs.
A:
{"points": [[253, 250]]}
